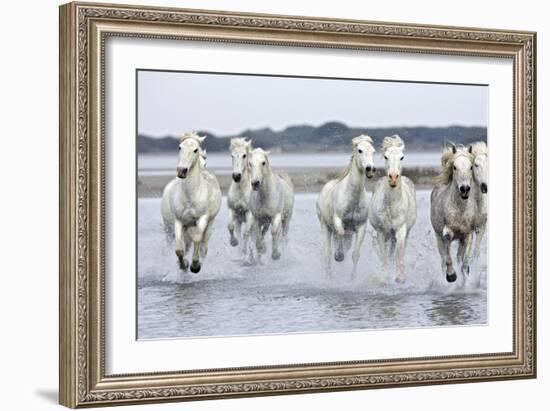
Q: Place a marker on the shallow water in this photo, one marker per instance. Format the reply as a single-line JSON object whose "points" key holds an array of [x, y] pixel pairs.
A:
{"points": [[229, 297]]}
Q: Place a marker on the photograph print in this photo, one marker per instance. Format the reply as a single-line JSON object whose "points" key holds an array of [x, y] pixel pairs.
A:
{"points": [[274, 204]]}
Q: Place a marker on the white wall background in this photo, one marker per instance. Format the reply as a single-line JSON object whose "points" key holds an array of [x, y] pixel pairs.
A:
{"points": [[29, 180]]}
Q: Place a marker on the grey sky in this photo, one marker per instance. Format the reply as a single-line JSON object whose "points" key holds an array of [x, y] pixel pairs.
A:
{"points": [[170, 103]]}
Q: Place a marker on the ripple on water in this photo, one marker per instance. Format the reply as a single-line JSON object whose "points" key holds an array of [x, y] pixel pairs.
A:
{"points": [[293, 294]]}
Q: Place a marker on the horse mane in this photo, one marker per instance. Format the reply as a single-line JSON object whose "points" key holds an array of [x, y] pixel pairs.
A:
{"points": [[345, 171], [239, 142], [393, 141], [363, 138], [259, 150], [448, 158], [193, 135], [478, 148]]}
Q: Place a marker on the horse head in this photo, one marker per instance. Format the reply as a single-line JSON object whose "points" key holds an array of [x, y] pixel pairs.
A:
{"points": [[462, 170], [190, 152], [393, 148], [363, 154], [481, 164], [240, 150], [259, 167]]}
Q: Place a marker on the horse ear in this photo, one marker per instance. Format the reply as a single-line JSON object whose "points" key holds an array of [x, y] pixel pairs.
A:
{"points": [[201, 139], [470, 149], [453, 147]]}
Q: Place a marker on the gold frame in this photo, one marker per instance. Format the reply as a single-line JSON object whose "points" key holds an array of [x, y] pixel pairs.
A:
{"points": [[83, 30]]}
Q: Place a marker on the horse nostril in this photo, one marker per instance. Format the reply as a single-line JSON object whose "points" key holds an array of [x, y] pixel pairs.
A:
{"points": [[464, 189], [368, 169], [255, 184], [483, 187], [236, 177]]}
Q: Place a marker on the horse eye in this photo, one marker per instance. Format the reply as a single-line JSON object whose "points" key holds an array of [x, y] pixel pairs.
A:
{"points": [[244, 155], [477, 165], [263, 164], [471, 168], [454, 167], [196, 150], [402, 157], [179, 148], [385, 157], [360, 151]]}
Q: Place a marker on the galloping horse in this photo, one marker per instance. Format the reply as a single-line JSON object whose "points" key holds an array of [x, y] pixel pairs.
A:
{"points": [[238, 196], [392, 211], [342, 204], [271, 201], [454, 209], [481, 170], [190, 203]]}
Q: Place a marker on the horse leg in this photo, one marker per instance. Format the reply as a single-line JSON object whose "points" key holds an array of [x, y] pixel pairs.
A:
{"points": [[275, 233], [247, 230], [460, 251], [206, 239], [286, 227], [340, 232], [359, 238], [180, 245], [197, 236], [446, 261], [327, 239], [231, 227], [261, 229], [480, 232], [468, 241], [381, 239], [401, 242]]}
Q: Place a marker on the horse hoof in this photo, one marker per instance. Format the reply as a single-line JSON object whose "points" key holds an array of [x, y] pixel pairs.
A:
{"points": [[184, 264], [195, 267], [447, 237], [276, 256], [234, 242], [451, 278], [339, 257]]}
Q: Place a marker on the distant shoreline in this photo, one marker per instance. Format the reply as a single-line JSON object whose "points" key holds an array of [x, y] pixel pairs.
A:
{"points": [[306, 180]]}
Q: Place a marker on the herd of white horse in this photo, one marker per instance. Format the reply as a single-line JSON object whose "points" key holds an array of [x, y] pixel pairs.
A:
{"points": [[260, 199]]}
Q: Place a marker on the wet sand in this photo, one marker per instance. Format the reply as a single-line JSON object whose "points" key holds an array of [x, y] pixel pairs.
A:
{"points": [[306, 180]]}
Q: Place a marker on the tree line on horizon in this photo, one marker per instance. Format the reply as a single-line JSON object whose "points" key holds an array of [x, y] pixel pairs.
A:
{"points": [[331, 136]]}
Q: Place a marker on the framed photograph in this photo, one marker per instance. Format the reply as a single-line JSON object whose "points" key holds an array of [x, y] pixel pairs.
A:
{"points": [[260, 205]]}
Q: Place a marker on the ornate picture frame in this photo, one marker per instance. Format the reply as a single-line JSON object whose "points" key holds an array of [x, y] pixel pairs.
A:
{"points": [[84, 28]]}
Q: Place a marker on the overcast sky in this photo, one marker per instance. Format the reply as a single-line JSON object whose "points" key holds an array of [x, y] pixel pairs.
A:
{"points": [[170, 103]]}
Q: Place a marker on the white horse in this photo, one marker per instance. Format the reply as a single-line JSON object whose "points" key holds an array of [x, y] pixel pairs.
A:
{"points": [[238, 196], [481, 170], [271, 201], [190, 203], [392, 211], [342, 205], [454, 209]]}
